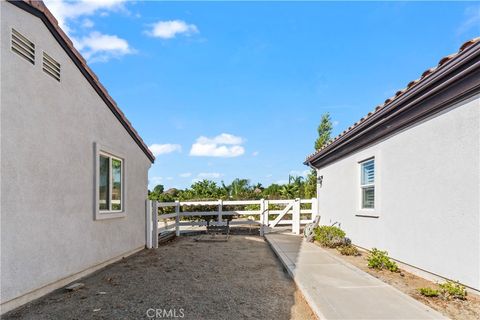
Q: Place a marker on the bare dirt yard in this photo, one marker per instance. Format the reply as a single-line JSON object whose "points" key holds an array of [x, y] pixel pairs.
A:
{"points": [[238, 279], [409, 283]]}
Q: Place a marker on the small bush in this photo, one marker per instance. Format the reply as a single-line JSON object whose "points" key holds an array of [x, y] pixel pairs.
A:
{"points": [[429, 292], [348, 250], [453, 290], [379, 260], [329, 236]]}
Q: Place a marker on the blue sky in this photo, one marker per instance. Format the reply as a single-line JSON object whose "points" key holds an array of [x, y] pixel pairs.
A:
{"points": [[224, 90]]}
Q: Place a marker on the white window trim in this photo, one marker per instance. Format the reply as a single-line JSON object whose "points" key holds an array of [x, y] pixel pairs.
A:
{"points": [[108, 214], [368, 212]]}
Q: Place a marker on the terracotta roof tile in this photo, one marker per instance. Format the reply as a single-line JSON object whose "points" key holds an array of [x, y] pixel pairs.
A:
{"points": [[427, 72], [412, 83], [469, 43], [40, 6], [445, 59], [399, 93]]}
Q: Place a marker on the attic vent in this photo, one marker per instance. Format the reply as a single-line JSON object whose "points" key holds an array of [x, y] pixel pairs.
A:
{"points": [[51, 67], [23, 47]]}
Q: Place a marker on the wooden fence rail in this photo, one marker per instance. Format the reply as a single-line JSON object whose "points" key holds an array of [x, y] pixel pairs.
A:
{"points": [[174, 220]]}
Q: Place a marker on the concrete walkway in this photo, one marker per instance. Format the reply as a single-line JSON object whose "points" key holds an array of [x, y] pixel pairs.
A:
{"points": [[338, 290]]}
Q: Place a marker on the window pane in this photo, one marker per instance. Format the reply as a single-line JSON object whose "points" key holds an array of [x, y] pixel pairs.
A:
{"points": [[368, 197], [117, 184], [368, 172], [104, 184]]}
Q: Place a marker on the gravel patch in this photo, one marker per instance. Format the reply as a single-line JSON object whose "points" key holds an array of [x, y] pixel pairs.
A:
{"points": [[237, 279]]}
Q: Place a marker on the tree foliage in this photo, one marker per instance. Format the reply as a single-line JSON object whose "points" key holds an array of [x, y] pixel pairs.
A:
{"points": [[238, 189], [324, 131], [324, 136]]}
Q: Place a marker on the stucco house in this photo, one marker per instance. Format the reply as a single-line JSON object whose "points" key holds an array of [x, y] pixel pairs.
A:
{"points": [[406, 177], [73, 169]]}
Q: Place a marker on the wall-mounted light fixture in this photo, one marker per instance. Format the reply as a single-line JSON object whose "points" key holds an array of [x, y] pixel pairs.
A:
{"points": [[319, 181]]}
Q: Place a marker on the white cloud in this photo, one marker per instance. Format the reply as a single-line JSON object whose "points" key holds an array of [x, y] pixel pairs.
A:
{"points": [[169, 29], [224, 138], [158, 149], [87, 23], [255, 153], [224, 145], [472, 20], [95, 47], [209, 175], [153, 181], [102, 47], [68, 10], [185, 175]]}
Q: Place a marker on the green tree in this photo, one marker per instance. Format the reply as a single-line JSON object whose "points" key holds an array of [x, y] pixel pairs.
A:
{"points": [[202, 190], [311, 184], [324, 136], [324, 131], [289, 191], [227, 189], [272, 191], [156, 193], [239, 188], [159, 188]]}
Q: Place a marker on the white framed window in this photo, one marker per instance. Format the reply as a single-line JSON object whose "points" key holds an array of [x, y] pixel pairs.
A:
{"points": [[110, 184], [367, 184]]}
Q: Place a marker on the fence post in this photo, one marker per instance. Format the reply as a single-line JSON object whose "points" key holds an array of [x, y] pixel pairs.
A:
{"points": [[262, 217], [314, 208], [220, 209], [148, 224], [296, 217], [177, 218], [154, 224], [267, 211]]}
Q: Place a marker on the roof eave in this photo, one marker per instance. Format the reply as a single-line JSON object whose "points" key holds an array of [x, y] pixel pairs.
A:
{"points": [[40, 10], [451, 64]]}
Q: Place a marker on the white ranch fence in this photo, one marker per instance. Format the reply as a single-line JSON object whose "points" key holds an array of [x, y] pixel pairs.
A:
{"points": [[158, 222]]}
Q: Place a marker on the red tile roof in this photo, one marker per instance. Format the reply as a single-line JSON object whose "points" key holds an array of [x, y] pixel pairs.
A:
{"points": [[427, 73], [50, 19]]}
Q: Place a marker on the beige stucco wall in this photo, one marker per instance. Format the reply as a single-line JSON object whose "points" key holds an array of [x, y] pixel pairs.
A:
{"points": [[427, 195], [48, 132]]}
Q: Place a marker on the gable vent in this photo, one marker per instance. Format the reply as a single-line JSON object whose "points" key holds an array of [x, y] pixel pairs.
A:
{"points": [[23, 47], [51, 67]]}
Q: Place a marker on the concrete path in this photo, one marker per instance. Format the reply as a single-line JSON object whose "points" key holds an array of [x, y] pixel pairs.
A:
{"points": [[338, 290]]}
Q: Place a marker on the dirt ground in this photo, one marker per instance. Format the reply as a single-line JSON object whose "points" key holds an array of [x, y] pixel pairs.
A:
{"points": [[238, 279], [409, 283]]}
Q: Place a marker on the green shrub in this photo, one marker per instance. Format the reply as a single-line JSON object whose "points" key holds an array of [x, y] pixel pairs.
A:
{"points": [[453, 290], [329, 236], [379, 260], [429, 292], [348, 250]]}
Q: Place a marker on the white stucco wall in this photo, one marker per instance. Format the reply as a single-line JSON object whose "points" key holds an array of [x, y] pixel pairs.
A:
{"points": [[48, 132], [427, 195]]}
